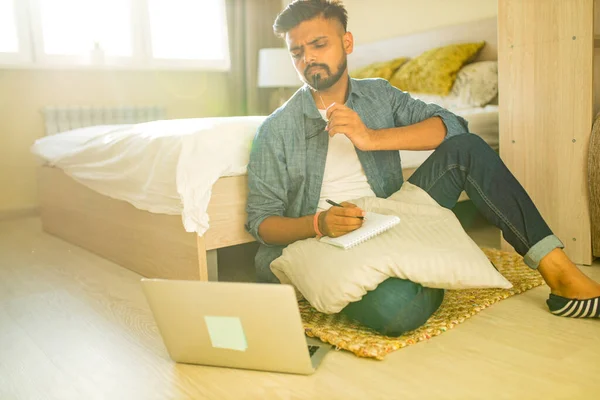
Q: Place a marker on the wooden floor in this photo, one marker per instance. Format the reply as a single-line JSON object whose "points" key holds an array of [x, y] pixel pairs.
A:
{"points": [[74, 326]]}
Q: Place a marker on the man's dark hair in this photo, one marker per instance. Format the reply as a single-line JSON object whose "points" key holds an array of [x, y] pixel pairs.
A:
{"points": [[304, 10]]}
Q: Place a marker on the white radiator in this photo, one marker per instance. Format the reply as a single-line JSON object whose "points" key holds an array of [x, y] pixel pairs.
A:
{"points": [[61, 119]]}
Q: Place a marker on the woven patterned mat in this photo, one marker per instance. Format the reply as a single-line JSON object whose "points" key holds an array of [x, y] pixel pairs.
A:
{"points": [[458, 305]]}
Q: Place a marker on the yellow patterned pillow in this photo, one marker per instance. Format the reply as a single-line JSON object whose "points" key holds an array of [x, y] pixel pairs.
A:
{"points": [[383, 70], [434, 71]]}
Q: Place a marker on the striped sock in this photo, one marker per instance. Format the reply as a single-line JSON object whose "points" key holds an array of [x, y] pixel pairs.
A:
{"points": [[563, 307]]}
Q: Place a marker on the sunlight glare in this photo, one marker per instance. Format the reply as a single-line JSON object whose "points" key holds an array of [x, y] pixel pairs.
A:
{"points": [[186, 29], [73, 26], [9, 42]]}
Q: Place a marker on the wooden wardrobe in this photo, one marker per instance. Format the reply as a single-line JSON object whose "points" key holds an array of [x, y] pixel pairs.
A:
{"points": [[549, 94]]}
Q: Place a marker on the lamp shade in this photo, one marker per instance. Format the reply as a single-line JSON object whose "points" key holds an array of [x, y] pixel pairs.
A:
{"points": [[275, 69]]}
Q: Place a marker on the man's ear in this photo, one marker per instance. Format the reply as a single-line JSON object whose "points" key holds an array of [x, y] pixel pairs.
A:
{"points": [[348, 41]]}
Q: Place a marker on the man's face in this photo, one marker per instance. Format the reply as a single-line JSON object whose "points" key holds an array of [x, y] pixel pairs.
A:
{"points": [[319, 48]]}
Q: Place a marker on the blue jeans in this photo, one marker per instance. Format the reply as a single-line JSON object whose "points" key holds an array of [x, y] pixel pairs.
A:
{"points": [[463, 162]]}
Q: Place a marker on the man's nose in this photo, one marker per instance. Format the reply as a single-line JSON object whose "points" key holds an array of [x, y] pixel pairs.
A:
{"points": [[309, 57]]}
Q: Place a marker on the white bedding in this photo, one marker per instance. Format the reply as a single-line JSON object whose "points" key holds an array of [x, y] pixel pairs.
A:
{"points": [[139, 163], [483, 121], [169, 167]]}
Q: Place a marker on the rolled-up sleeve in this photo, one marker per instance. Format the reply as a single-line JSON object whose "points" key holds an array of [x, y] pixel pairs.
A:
{"points": [[409, 111], [267, 180]]}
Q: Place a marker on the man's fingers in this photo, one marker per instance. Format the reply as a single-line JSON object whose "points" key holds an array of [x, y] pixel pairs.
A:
{"points": [[333, 108], [339, 121], [336, 130], [340, 130], [341, 117], [347, 221], [338, 127], [345, 225], [347, 211], [340, 230], [348, 205]]}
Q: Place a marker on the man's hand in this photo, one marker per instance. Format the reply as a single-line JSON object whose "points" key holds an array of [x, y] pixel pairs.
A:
{"points": [[346, 121], [338, 221]]}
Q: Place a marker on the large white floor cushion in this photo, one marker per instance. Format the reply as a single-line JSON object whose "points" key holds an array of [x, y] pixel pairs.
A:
{"points": [[428, 246]]}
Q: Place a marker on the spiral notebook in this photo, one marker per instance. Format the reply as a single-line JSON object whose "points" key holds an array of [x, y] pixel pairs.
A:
{"points": [[373, 225]]}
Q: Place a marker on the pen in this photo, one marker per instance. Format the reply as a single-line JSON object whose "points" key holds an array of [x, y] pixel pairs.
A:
{"points": [[333, 203]]}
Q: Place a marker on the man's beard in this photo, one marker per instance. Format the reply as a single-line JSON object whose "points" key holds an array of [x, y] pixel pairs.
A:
{"points": [[323, 81]]}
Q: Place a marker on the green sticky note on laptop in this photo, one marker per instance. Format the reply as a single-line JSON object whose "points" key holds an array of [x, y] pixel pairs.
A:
{"points": [[226, 333]]}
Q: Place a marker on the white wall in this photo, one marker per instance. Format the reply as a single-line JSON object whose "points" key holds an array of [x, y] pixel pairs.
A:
{"points": [[24, 92], [372, 20]]}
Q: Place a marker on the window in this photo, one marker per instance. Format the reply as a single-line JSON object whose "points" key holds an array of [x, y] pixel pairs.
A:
{"points": [[14, 41], [87, 22], [189, 31], [83, 32], [9, 41], [131, 33]]}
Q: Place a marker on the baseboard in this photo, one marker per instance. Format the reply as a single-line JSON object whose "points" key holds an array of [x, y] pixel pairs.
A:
{"points": [[19, 213]]}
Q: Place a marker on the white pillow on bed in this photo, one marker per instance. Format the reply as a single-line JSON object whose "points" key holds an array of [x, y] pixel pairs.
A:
{"points": [[428, 246], [476, 85], [483, 121]]}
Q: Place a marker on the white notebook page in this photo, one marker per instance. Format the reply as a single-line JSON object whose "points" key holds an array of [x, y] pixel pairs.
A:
{"points": [[373, 225]]}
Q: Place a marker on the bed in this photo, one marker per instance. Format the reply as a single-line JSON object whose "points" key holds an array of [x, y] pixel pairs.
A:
{"points": [[161, 239]]}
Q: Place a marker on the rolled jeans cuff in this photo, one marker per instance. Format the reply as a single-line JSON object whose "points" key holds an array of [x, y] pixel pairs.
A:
{"points": [[541, 249]]}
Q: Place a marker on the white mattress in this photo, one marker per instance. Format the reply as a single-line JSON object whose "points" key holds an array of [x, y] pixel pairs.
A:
{"points": [[141, 163], [483, 121], [169, 167]]}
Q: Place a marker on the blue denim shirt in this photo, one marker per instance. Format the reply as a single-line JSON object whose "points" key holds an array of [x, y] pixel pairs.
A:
{"points": [[287, 161]]}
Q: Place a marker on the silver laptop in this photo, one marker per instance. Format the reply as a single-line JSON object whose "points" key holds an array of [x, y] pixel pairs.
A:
{"points": [[239, 325]]}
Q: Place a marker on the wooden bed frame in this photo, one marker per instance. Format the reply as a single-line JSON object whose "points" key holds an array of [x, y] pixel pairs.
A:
{"points": [[156, 245], [153, 245]]}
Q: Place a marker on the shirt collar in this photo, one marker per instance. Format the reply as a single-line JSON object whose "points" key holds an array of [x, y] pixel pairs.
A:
{"points": [[308, 103]]}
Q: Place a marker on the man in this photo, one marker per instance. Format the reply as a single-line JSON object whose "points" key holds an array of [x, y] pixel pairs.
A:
{"points": [[339, 138]]}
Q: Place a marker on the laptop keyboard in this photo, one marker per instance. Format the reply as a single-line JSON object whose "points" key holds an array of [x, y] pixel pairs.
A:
{"points": [[312, 350]]}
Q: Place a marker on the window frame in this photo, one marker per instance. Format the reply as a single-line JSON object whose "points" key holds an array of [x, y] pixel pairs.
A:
{"points": [[31, 53], [23, 55], [214, 65]]}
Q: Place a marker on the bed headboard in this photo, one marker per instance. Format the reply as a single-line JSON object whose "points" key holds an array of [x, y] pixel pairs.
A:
{"points": [[414, 44]]}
